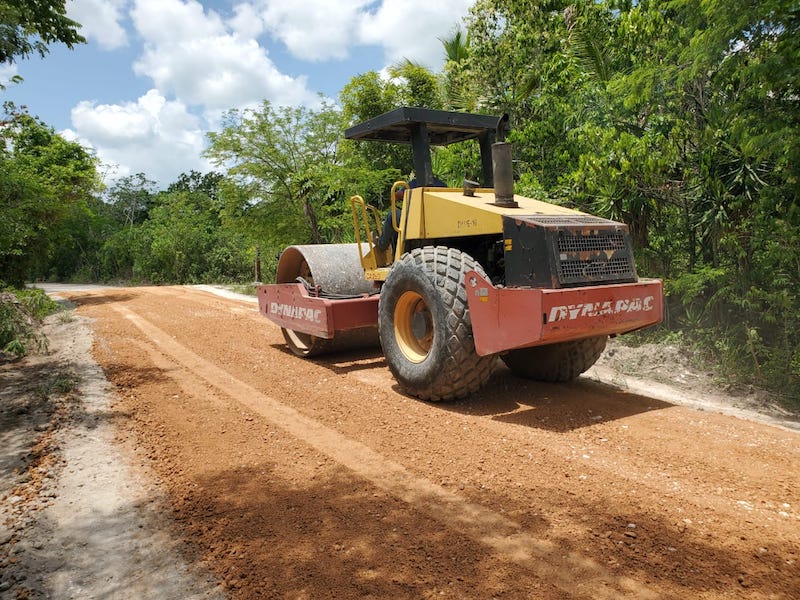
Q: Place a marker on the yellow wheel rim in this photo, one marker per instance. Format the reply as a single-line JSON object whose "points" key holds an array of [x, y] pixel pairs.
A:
{"points": [[413, 326]]}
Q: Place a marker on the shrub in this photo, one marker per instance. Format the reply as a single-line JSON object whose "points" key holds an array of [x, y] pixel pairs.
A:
{"points": [[21, 315]]}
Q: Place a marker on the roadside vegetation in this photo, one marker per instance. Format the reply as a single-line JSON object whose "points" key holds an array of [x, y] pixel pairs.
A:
{"points": [[679, 118], [21, 315]]}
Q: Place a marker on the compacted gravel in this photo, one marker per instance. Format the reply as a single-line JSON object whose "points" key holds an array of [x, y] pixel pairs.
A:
{"points": [[252, 473]]}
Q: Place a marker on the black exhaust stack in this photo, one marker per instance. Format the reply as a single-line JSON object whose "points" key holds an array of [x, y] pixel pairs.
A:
{"points": [[503, 168]]}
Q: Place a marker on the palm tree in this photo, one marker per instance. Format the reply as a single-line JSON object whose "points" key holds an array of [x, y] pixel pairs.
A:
{"points": [[456, 47], [455, 83]]}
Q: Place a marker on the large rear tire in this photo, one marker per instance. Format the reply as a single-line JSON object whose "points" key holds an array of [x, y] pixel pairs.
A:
{"points": [[556, 362], [424, 325]]}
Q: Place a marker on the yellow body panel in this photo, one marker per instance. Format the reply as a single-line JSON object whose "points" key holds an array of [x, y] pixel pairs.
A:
{"points": [[444, 212], [378, 274]]}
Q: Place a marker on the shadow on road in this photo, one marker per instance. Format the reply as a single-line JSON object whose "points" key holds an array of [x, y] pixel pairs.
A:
{"points": [[558, 407], [97, 298], [340, 537], [345, 362], [124, 376]]}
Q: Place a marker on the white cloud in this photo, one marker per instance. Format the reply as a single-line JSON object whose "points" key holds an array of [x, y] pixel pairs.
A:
{"points": [[246, 21], [321, 30], [220, 72], [7, 73], [189, 52], [153, 135], [411, 29], [100, 21], [204, 62], [164, 22], [313, 30]]}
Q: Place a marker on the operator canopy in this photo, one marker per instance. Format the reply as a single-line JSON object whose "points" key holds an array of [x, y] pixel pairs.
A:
{"points": [[425, 127]]}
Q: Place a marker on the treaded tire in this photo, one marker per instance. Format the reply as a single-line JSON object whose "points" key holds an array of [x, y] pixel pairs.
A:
{"points": [[424, 325], [556, 362]]}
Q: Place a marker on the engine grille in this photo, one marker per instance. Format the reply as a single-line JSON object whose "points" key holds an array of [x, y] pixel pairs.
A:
{"points": [[612, 240], [599, 255], [568, 221], [567, 251], [571, 271]]}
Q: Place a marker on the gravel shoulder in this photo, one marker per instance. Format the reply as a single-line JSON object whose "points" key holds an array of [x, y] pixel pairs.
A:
{"points": [[79, 518]]}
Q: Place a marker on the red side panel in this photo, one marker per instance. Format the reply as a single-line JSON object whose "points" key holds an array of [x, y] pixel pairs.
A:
{"points": [[508, 318], [601, 310], [502, 318], [289, 305]]}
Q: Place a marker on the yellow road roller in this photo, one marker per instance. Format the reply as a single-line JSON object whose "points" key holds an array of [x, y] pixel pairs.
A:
{"points": [[470, 274]]}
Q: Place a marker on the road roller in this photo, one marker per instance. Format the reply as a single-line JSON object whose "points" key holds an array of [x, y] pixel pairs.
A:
{"points": [[471, 275]]}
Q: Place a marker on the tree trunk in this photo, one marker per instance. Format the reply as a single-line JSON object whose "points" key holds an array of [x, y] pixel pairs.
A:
{"points": [[308, 210]]}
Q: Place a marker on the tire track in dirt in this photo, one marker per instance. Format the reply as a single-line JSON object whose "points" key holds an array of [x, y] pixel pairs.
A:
{"points": [[573, 573]]}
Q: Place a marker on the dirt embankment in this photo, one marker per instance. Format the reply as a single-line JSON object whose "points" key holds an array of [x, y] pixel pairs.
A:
{"points": [[319, 479]]}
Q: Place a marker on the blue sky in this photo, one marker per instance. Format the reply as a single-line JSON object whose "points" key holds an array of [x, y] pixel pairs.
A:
{"points": [[156, 75]]}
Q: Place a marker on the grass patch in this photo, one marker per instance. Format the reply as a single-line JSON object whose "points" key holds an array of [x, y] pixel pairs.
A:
{"points": [[21, 316], [248, 289], [63, 382], [65, 316]]}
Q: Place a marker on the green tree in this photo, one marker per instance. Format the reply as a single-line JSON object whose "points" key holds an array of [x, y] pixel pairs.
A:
{"points": [[26, 210], [368, 95], [519, 62], [79, 238], [28, 26], [681, 119], [131, 198], [194, 181], [365, 97], [457, 92], [419, 86], [456, 46], [180, 235], [184, 241], [127, 204], [31, 26], [42, 178], [281, 160]]}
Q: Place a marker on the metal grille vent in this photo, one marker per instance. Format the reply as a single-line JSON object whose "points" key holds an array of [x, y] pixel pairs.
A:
{"points": [[556, 251], [569, 220], [596, 256], [572, 271], [607, 240]]}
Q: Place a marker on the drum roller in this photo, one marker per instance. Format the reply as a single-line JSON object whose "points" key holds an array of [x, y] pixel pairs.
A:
{"points": [[336, 270]]}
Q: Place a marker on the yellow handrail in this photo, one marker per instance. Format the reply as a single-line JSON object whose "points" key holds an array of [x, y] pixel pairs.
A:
{"points": [[357, 202], [395, 185], [361, 222]]}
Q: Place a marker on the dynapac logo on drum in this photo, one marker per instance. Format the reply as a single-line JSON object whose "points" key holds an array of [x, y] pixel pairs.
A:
{"points": [[295, 312], [571, 312]]}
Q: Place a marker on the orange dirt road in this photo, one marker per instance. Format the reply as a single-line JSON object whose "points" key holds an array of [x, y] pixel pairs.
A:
{"points": [[294, 478]]}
